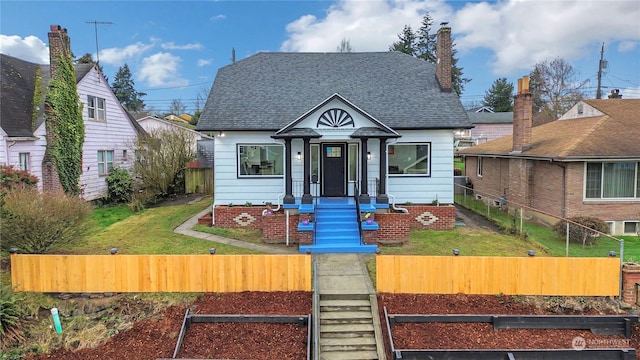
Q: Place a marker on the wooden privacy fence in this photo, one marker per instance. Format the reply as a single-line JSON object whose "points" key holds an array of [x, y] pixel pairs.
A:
{"points": [[198, 180], [160, 273], [498, 275]]}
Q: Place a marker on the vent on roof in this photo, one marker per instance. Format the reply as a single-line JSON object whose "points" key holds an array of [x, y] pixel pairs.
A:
{"points": [[580, 108]]}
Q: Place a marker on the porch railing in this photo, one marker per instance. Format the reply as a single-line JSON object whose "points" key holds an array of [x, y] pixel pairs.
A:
{"points": [[298, 188], [356, 196]]}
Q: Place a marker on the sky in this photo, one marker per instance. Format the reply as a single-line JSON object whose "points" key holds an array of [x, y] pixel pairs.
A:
{"points": [[174, 48]]}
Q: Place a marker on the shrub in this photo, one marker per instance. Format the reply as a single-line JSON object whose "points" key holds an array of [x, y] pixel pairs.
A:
{"points": [[457, 172], [10, 311], [11, 178], [120, 185], [34, 222], [586, 233]]}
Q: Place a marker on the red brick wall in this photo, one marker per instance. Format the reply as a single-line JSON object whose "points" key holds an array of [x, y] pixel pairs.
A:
{"points": [[446, 215], [546, 192], [274, 229], [495, 179], [630, 276], [225, 215], [393, 226], [444, 54]]}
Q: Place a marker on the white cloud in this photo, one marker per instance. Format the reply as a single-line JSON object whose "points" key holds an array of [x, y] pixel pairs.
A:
{"points": [[117, 56], [519, 33], [172, 46], [522, 33], [217, 17], [368, 25], [204, 62], [626, 46], [31, 48], [161, 70]]}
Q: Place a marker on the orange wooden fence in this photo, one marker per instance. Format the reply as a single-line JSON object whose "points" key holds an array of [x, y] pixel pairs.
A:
{"points": [[160, 273], [559, 276]]}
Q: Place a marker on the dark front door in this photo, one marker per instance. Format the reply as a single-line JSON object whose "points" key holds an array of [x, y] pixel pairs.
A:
{"points": [[334, 164]]}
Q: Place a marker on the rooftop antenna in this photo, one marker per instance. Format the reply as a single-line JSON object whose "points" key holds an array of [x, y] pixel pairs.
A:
{"points": [[233, 55], [95, 24]]}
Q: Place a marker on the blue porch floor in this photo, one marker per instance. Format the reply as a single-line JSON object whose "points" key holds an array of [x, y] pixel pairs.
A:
{"points": [[336, 226]]}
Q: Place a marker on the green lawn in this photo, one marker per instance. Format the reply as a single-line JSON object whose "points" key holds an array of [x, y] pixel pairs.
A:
{"points": [[549, 241], [147, 232]]}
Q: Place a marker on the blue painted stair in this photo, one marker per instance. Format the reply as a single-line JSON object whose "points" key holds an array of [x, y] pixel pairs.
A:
{"points": [[337, 229]]}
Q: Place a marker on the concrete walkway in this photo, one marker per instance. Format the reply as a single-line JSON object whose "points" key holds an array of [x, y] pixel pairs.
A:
{"points": [[186, 228], [343, 274]]}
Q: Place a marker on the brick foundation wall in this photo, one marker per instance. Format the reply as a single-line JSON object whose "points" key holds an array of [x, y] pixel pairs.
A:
{"points": [[393, 227], [274, 229], [630, 276], [239, 217], [432, 217]]}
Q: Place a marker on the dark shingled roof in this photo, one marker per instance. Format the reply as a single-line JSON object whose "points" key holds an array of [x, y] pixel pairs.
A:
{"points": [[267, 91], [613, 135], [18, 79], [491, 118]]}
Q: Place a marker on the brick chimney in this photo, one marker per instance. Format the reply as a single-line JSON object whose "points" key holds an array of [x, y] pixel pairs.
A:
{"points": [[59, 45], [443, 60], [522, 117]]}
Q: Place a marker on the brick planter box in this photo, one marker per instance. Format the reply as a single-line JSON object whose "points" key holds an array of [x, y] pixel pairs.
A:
{"points": [[205, 220], [630, 276]]}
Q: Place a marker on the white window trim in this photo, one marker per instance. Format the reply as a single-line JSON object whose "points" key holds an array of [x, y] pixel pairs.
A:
{"points": [[618, 199], [96, 109], [624, 224], [105, 162], [479, 166], [27, 162]]}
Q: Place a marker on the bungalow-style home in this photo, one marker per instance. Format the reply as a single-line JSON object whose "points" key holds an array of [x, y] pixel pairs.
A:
{"points": [[587, 163], [333, 138], [109, 132]]}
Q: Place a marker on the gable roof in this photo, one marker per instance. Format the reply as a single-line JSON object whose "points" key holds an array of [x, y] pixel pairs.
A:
{"points": [[613, 135], [18, 79], [267, 91]]}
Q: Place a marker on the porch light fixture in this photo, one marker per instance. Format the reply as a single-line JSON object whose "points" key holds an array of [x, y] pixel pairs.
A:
{"points": [[369, 155], [299, 156], [221, 133]]}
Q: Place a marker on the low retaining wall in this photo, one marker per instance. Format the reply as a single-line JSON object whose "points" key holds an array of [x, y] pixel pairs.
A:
{"points": [[393, 227], [630, 277]]}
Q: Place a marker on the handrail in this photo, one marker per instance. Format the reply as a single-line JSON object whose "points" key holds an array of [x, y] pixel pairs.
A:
{"points": [[356, 195], [316, 312], [315, 220]]}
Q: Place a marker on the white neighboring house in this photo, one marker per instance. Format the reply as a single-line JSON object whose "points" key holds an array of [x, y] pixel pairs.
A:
{"points": [[109, 131], [152, 123]]}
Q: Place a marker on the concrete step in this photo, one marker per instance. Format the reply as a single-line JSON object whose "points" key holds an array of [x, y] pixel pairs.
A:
{"points": [[344, 296], [346, 330], [345, 305], [364, 341], [349, 355]]}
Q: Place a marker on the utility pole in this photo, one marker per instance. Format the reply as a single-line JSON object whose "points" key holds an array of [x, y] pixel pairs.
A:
{"points": [[601, 65], [95, 24]]}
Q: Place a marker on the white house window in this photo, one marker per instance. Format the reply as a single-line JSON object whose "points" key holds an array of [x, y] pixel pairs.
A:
{"points": [[315, 161], [105, 162], [353, 162], [96, 108], [410, 159], [24, 161], [260, 160], [479, 166], [613, 180], [631, 227]]}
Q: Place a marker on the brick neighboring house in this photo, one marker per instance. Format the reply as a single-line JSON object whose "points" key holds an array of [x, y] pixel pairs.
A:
{"points": [[587, 163]]}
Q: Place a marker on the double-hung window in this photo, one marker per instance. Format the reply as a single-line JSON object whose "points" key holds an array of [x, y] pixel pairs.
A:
{"points": [[24, 161], [260, 160], [105, 162], [410, 159], [612, 180], [96, 108]]}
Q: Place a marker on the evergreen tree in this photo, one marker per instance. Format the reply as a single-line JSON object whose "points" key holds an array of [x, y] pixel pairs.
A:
{"points": [[499, 97], [423, 45], [123, 88], [406, 42], [88, 59]]}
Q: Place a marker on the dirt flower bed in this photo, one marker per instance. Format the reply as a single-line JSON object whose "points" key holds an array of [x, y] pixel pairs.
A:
{"points": [[155, 337], [483, 336]]}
